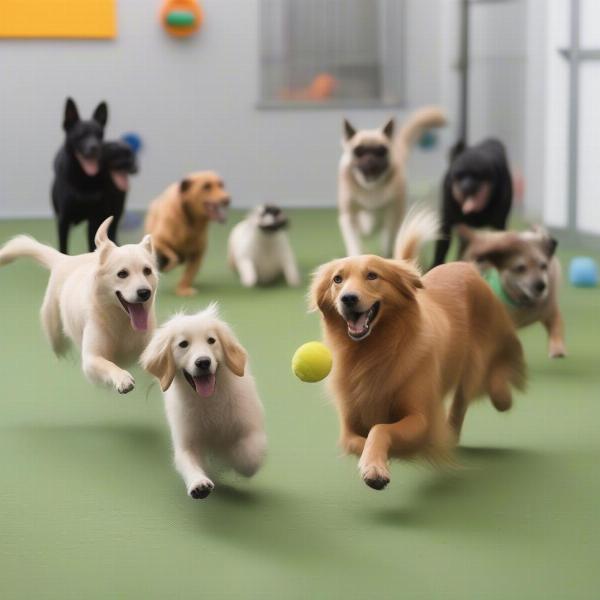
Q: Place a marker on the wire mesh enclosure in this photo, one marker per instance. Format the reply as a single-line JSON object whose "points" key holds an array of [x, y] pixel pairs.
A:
{"points": [[331, 53]]}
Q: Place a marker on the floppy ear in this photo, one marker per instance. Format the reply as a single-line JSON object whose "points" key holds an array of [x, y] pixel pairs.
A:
{"points": [[403, 276], [548, 243], [321, 282], [157, 358], [185, 185], [388, 128], [349, 130], [235, 355], [551, 245], [71, 114], [146, 243], [101, 114]]}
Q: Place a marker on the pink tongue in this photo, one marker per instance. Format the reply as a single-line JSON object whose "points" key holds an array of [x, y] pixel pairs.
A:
{"points": [[89, 165], [205, 385], [138, 315], [358, 325], [469, 206], [120, 179]]}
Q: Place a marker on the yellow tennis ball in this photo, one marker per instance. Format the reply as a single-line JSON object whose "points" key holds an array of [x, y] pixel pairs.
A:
{"points": [[312, 362]]}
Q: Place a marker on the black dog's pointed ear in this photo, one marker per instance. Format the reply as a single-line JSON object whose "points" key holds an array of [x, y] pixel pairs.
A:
{"points": [[457, 149], [101, 114], [185, 185], [349, 130], [71, 114], [388, 128]]}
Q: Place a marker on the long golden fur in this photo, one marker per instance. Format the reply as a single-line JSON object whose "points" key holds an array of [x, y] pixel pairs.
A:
{"points": [[178, 221], [422, 339]]}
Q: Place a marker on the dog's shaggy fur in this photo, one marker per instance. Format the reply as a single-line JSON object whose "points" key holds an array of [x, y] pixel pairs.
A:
{"points": [[178, 221], [372, 179], [529, 275], [102, 301], [401, 343], [210, 396]]}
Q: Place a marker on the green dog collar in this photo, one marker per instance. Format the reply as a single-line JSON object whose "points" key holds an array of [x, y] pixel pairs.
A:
{"points": [[493, 278]]}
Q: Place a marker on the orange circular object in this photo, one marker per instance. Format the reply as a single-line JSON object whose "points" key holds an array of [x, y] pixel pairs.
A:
{"points": [[172, 8]]}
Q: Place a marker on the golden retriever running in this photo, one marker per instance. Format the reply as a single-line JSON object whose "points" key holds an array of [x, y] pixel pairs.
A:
{"points": [[402, 342]]}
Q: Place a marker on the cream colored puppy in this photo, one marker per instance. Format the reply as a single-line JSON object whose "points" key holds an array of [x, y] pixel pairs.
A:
{"points": [[259, 248], [101, 301], [211, 401]]}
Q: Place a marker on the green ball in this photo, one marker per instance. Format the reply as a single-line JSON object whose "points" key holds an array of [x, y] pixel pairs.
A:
{"points": [[312, 362]]}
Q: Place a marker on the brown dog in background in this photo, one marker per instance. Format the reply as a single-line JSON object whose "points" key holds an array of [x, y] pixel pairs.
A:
{"points": [[178, 222], [528, 273], [401, 343]]}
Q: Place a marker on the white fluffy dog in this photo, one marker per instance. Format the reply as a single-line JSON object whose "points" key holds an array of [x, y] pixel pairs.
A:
{"points": [[103, 301], [259, 248], [210, 396]]}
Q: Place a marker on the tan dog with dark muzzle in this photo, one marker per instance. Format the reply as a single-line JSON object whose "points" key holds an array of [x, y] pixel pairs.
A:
{"points": [[178, 221]]}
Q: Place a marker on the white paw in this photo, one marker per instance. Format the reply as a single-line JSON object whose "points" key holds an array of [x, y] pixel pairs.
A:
{"points": [[201, 488], [125, 383], [376, 476]]}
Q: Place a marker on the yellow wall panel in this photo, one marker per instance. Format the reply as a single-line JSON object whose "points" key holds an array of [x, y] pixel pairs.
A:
{"points": [[58, 18]]}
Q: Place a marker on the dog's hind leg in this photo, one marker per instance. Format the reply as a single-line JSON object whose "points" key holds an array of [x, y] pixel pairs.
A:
{"points": [[391, 224], [52, 323], [458, 410], [247, 454]]}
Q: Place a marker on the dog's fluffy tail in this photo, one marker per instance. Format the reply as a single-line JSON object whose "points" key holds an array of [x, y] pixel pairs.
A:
{"points": [[25, 246], [417, 123], [420, 225]]}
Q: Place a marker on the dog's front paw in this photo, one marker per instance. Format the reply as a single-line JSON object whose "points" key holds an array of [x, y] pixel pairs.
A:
{"points": [[186, 291], [374, 475], [557, 350], [125, 383], [201, 489]]}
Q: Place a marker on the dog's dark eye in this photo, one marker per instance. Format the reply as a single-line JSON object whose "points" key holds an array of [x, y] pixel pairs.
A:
{"points": [[207, 186], [123, 273], [337, 279], [184, 344], [147, 271], [359, 151], [520, 269], [211, 340], [371, 275], [543, 266]]}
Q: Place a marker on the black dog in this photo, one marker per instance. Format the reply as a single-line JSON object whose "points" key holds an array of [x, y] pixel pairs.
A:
{"points": [[477, 191], [117, 162], [78, 188]]}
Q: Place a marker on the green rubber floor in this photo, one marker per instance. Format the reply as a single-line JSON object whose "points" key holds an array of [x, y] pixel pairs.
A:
{"points": [[90, 506]]}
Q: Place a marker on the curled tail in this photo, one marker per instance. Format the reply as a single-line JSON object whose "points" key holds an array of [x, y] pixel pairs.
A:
{"points": [[417, 123], [25, 246], [420, 225]]}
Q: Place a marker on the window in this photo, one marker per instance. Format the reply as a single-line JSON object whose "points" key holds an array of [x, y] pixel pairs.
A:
{"points": [[338, 53]]}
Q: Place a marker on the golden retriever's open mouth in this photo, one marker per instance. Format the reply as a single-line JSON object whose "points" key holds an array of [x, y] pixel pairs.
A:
{"points": [[204, 385], [359, 323], [138, 314], [217, 211]]}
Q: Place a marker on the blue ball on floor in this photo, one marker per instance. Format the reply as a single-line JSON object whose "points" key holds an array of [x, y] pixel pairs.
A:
{"points": [[583, 272]]}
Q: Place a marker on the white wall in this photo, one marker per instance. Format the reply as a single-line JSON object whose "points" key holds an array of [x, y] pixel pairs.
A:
{"points": [[193, 102]]}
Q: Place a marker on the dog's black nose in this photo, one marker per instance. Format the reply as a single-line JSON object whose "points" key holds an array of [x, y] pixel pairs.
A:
{"points": [[143, 294], [203, 363], [349, 300], [540, 286]]}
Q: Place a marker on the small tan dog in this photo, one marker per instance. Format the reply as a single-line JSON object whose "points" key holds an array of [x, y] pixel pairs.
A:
{"points": [[178, 222], [524, 272], [372, 180], [401, 343], [102, 301]]}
